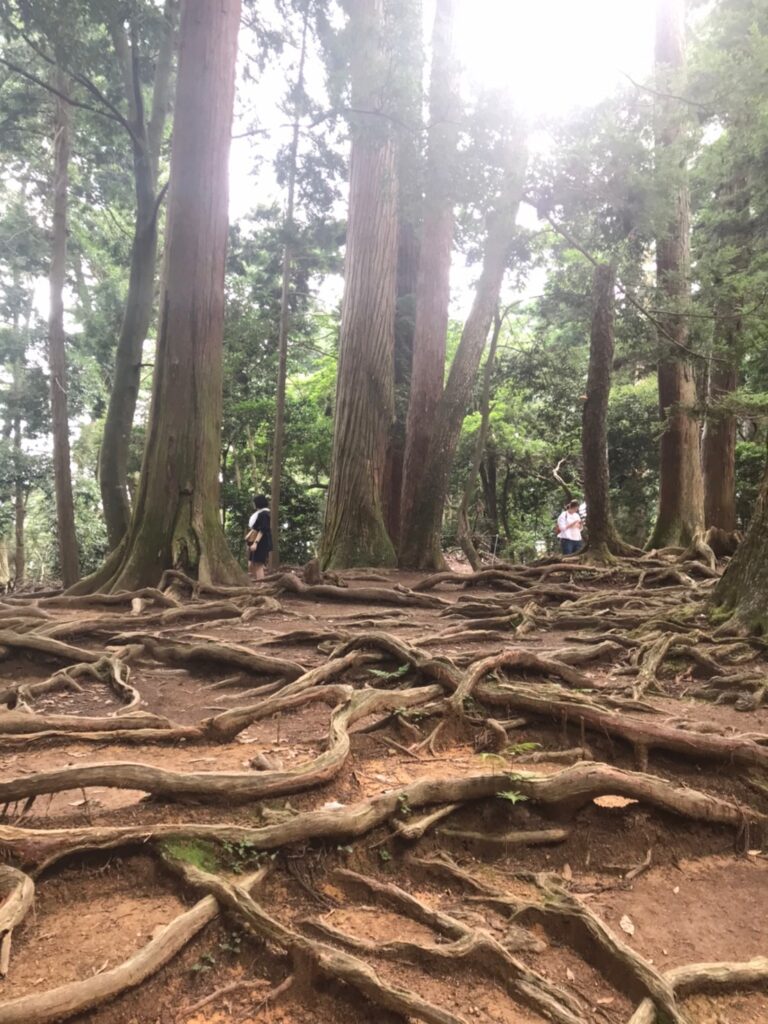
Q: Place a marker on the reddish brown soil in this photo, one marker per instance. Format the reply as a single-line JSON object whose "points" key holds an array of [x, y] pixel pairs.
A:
{"points": [[704, 898]]}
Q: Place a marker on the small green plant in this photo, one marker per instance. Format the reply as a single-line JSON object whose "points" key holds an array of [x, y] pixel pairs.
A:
{"points": [[232, 943], [403, 806], [206, 963], [521, 748], [512, 795], [398, 673], [488, 756], [385, 855], [241, 854]]}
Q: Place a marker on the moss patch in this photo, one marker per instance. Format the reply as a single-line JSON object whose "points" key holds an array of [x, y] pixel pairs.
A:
{"points": [[199, 853]]}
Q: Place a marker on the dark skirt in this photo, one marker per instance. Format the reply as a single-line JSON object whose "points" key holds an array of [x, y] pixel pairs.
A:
{"points": [[260, 553]]}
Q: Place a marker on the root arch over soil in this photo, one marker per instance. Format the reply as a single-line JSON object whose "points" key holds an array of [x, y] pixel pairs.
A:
{"points": [[560, 714]]}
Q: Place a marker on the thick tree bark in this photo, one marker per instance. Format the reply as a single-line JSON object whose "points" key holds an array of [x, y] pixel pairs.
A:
{"points": [[409, 44], [433, 291], [57, 359], [718, 450], [405, 306], [603, 540], [19, 491], [285, 313], [743, 588], [354, 531], [175, 521], [146, 140], [681, 488], [420, 546]]}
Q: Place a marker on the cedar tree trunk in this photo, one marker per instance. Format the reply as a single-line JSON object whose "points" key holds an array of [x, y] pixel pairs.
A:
{"points": [[681, 487], [718, 445], [19, 492], [464, 532], [420, 546], [742, 592], [285, 312], [146, 139], [409, 45], [603, 540], [175, 521], [354, 532], [433, 292], [57, 359]]}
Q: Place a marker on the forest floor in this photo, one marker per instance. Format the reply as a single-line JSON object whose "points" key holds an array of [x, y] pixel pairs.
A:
{"points": [[533, 794]]}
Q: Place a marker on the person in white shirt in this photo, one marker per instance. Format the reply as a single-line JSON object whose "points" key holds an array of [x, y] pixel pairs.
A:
{"points": [[568, 528]]}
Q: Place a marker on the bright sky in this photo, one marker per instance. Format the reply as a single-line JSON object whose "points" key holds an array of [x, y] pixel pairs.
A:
{"points": [[555, 54], [552, 55]]}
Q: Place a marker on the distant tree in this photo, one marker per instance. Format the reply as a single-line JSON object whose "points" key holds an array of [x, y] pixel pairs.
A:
{"points": [[604, 541], [57, 360], [681, 488], [420, 544]]}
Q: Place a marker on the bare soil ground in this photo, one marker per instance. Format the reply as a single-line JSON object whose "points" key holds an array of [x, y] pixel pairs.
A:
{"points": [[534, 796]]}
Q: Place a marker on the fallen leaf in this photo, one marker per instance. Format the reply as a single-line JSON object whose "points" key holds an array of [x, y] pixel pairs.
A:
{"points": [[627, 925], [606, 1001], [569, 974], [567, 872]]}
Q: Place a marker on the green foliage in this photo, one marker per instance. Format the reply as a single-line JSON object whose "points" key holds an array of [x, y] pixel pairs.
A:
{"points": [[512, 795], [196, 852], [387, 677]]}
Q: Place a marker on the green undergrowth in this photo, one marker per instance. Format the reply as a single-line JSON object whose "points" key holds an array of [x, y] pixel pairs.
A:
{"points": [[226, 857], [197, 852]]}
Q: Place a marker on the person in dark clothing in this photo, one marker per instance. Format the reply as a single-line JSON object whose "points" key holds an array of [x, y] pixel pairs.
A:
{"points": [[259, 537]]}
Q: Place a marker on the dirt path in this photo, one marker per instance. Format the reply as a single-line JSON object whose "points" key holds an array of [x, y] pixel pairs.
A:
{"points": [[585, 815]]}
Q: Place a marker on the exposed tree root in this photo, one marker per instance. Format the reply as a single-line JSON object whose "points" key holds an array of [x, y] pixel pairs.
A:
{"points": [[561, 706], [565, 791], [176, 652], [288, 583], [309, 957], [231, 787], [705, 977], [18, 892], [478, 945], [42, 645], [79, 996]]}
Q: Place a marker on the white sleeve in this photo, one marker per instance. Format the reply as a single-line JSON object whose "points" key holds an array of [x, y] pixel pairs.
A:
{"points": [[252, 521]]}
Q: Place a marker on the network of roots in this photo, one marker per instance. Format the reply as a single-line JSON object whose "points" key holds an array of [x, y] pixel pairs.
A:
{"points": [[532, 793]]}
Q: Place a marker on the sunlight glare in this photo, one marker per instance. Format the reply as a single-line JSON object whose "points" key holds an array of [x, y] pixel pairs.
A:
{"points": [[555, 54]]}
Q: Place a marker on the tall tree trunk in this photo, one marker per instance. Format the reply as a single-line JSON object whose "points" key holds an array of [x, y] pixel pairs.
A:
{"points": [[146, 140], [604, 541], [175, 521], [464, 531], [718, 444], [5, 571], [433, 292], [681, 488], [421, 539], [742, 592], [282, 341], [409, 45], [489, 483], [354, 532], [57, 359], [405, 306], [19, 492]]}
